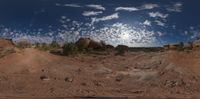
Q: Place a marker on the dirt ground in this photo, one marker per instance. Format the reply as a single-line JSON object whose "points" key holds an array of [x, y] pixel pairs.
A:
{"points": [[34, 74]]}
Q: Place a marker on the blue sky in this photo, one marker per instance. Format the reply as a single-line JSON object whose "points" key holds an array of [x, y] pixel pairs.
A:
{"points": [[129, 22]]}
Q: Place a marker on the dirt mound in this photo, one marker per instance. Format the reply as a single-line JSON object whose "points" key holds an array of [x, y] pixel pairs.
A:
{"points": [[4, 43], [6, 47]]}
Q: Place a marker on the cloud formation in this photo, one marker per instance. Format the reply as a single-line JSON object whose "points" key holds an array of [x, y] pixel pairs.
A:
{"points": [[95, 6], [72, 5], [147, 23], [158, 15], [149, 6], [105, 18], [143, 7], [130, 9], [119, 33], [160, 23], [91, 13], [177, 7]]}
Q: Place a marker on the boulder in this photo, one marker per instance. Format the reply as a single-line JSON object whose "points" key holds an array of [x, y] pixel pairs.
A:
{"points": [[95, 45], [110, 47], [83, 43], [87, 43]]}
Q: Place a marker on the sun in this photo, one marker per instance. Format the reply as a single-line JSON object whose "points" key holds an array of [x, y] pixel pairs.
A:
{"points": [[125, 36]]}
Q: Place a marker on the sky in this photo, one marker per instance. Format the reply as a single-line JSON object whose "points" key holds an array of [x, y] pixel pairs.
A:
{"points": [[136, 23]]}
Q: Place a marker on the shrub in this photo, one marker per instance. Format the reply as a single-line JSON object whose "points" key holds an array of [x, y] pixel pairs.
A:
{"points": [[37, 45], [120, 52], [121, 49], [180, 47], [70, 49], [44, 47], [23, 44], [54, 45]]}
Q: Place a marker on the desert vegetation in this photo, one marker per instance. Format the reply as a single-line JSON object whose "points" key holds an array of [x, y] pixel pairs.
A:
{"points": [[88, 46], [23, 43]]}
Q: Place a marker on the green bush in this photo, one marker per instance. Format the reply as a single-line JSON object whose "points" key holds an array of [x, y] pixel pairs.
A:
{"points": [[70, 49], [121, 49], [54, 45], [120, 52]]}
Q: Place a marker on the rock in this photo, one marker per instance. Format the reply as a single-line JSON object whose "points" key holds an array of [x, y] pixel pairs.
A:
{"points": [[174, 83], [87, 43], [67, 79], [103, 71], [97, 83], [95, 45], [44, 78], [143, 75], [119, 77], [83, 43], [110, 47]]}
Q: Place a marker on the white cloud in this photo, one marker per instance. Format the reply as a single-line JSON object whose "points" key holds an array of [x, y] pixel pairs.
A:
{"points": [[160, 23], [126, 9], [57, 4], [160, 34], [72, 5], [105, 18], [147, 22], [149, 6], [191, 28], [120, 33], [143, 7], [95, 6], [177, 7], [63, 17], [91, 13], [194, 31], [185, 32], [174, 26], [158, 14]]}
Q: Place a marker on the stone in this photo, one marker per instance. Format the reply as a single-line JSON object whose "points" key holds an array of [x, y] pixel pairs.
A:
{"points": [[68, 79]]}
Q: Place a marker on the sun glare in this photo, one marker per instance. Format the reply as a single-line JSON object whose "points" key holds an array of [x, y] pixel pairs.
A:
{"points": [[125, 36]]}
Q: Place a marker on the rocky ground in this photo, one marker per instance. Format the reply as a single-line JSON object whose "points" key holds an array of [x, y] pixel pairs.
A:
{"points": [[33, 74]]}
